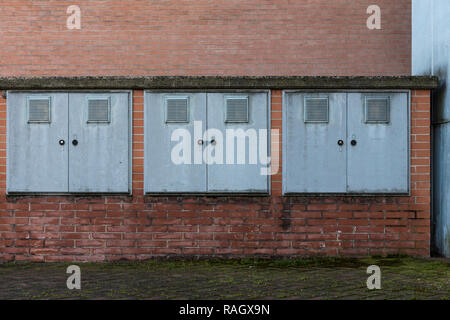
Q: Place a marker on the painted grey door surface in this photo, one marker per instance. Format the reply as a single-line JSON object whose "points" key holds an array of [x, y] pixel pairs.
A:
{"points": [[99, 142], [234, 124], [378, 125], [169, 125], [37, 142], [314, 143]]}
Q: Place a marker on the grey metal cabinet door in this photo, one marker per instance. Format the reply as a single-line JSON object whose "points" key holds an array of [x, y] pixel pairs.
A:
{"points": [[99, 139], [314, 146], [378, 158], [37, 142], [238, 118], [173, 151]]}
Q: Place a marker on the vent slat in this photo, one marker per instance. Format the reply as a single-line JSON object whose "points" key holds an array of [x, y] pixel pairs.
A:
{"points": [[377, 110], [98, 110], [177, 110], [236, 110], [39, 110], [316, 110]]}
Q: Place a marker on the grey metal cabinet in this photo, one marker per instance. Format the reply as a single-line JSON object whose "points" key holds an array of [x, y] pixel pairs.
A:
{"points": [[37, 151], [68, 142], [184, 131], [239, 117], [346, 142], [378, 157], [171, 116], [99, 142], [315, 157]]}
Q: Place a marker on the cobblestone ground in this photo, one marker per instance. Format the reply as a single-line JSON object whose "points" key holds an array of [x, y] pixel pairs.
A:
{"points": [[402, 278]]}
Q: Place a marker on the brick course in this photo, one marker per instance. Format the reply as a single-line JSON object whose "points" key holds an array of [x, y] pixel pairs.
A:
{"points": [[205, 37], [100, 228]]}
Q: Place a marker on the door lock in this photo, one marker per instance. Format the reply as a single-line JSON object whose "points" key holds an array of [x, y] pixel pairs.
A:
{"points": [[75, 142], [353, 142], [340, 143], [62, 142]]}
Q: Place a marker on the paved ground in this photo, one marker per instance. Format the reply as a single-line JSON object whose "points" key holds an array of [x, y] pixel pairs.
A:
{"points": [[402, 278]]}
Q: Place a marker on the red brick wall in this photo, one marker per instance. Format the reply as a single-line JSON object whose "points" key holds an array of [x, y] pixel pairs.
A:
{"points": [[99, 228], [204, 37]]}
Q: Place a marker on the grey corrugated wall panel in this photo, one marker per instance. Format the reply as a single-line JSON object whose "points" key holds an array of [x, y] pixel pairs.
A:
{"points": [[161, 174], [247, 177], [441, 171], [430, 57], [430, 49], [314, 162], [36, 160], [422, 40], [378, 163], [100, 161]]}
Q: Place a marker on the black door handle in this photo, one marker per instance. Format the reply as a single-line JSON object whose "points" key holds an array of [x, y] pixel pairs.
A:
{"points": [[353, 142], [75, 142], [340, 143], [62, 142], [213, 142]]}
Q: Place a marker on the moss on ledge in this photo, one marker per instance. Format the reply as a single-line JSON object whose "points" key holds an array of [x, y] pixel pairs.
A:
{"points": [[218, 82]]}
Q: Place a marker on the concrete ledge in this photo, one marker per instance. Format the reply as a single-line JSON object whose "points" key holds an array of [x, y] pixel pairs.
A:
{"points": [[218, 82]]}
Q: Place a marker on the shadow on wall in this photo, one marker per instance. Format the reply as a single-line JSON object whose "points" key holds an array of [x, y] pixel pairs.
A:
{"points": [[440, 95]]}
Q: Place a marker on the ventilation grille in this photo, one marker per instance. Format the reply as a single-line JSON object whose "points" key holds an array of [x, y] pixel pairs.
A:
{"points": [[316, 109], [177, 110], [98, 110], [39, 110], [236, 110], [377, 110]]}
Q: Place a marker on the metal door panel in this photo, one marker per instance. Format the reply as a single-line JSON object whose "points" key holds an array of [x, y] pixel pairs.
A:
{"points": [[161, 173], [233, 176], [100, 160], [314, 162], [378, 163], [37, 162]]}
